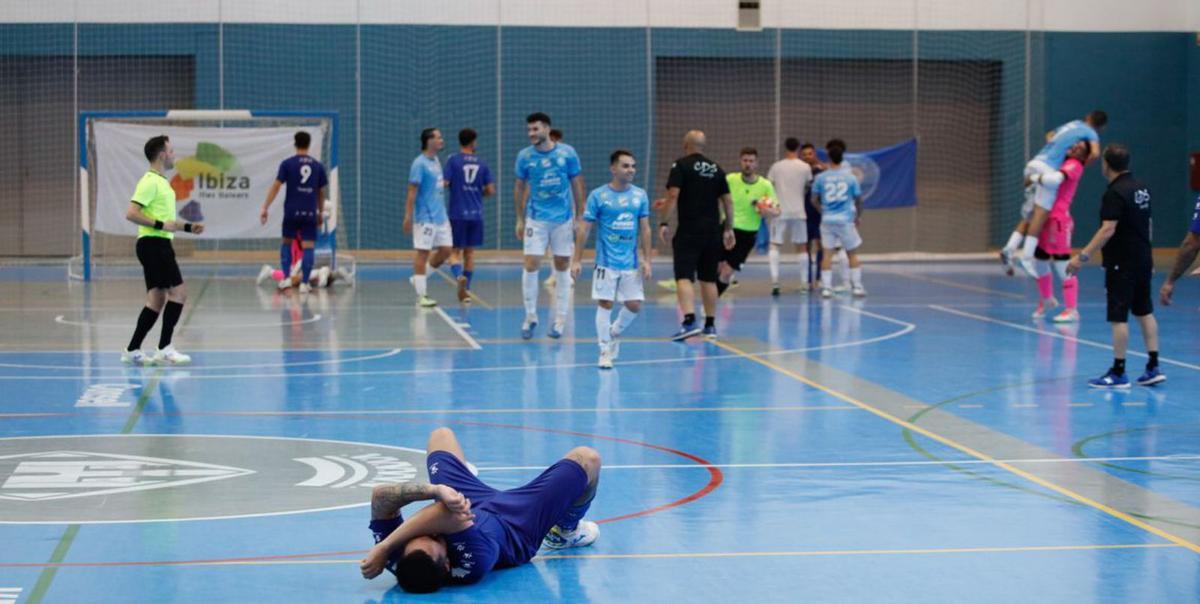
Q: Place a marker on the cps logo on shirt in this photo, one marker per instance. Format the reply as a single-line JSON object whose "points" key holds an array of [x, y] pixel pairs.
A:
{"points": [[705, 169], [1141, 197]]}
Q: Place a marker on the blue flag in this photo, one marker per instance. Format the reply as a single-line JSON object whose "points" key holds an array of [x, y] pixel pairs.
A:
{"points": [[888, 176]]}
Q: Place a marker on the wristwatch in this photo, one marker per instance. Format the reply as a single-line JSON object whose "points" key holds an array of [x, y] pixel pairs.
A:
{"points": [[1085, 257]]}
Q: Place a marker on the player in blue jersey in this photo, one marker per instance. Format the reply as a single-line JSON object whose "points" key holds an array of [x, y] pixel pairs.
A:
{"points": [[549, 194], [425, 213], [1042, 178], [1184, 258], [469, 181], [303, 207], [621, 212], [840, 198], [472, 528]]}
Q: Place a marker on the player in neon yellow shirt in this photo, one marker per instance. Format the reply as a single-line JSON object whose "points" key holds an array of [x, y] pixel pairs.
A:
{"points": [[753, 197], [152, 208]]}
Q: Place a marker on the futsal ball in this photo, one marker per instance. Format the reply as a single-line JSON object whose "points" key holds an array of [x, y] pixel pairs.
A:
{"points": [[277, 275], [767, 207]]}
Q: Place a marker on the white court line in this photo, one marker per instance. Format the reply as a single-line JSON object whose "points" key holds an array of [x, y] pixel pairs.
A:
{"points": [[62, 320], [123, 368], [458, 328], [851, 464], [1060, 336]]}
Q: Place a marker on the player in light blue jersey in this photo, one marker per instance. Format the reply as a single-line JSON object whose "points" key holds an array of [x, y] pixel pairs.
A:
{"points": [[549, 193], [621, 212], [425, 212], [1042, 178], [837, 192]]}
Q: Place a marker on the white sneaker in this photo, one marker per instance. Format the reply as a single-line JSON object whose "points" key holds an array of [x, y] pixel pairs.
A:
{"points": [[841, 289], [135, 357], [170, 356], [305, 288], [858, 291], [584, 535], [826, 292], [323, 276], [606, 361], [264, 273], [285, 283], [1069, 315], [426, 302], [1026, 264], [345, 275], [1044, 307]]}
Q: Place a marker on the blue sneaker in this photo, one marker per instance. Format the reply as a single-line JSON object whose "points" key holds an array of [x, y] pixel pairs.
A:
{"points": [[1152, 377], [686, 331], [527, 327], [556, 330], [1110, 380], [710, 332]]}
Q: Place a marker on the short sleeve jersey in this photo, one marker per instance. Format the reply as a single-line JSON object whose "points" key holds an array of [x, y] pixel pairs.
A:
{"points": [[429, 206], [701, 184], [1073, 170], [1066, 135], [1195, 228], [791, 179], [617, 215], [837, 189], [157, 199], [304, 178], [1127, 201], [549, 175], [745, 194], [466, 177]]}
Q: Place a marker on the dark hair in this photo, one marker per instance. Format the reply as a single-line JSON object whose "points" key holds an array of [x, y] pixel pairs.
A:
{"points": [[616, 156], [155, 146], [302, 140], [1098, 118], [1116, 156], [792, 144], [748, 151], [418, 573], [466, 136], [555, 134], [836, 148], [426, 134], [537, 116], [807, 145]]}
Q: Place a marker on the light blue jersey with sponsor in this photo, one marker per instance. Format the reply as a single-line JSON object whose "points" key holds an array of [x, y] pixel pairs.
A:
{"points": [[837, 189], [617, 214], [549, 177], [430, 206], [1066, 135]]}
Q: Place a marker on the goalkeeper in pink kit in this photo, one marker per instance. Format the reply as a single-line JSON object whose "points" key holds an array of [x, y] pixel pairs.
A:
{"points": [[1054, 243]]}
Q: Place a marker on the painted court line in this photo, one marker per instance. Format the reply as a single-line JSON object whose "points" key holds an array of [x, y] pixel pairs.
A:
{"points": [[62, 320], [123, 368], [853, 464], [457, 328]]}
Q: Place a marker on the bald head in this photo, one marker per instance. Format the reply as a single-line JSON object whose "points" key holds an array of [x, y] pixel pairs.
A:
{"points": [[693, 141]]}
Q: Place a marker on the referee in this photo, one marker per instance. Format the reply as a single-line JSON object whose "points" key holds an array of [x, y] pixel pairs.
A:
{"points": [[1124, 239], [704, 232], [153, 210]]}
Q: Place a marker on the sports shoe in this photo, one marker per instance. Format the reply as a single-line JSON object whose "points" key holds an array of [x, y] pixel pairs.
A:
{"points": [[858, 291], [1110, 380], [463, 296], [826, 292], [1069, 315], [1006, 259], [584, 535], [710, 332], [1026, 263], [606, 361], [528, 326], [668, 284], [170, 356], [686, 331], [345, 275], [841, 289], [323, 276], [426, 302], [305, 288], [285, 283], [1043, 307], [264, 273], [614, 343], [1152, 377], [556, 330], [136, 357], [775, 290]]}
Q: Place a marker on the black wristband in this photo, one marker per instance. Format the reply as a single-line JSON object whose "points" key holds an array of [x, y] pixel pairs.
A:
{"points": [[187, 226], [158, 224]]}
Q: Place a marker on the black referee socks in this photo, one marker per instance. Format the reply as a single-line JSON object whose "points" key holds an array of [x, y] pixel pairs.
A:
{"points": [[144, 323], [170, 317]]}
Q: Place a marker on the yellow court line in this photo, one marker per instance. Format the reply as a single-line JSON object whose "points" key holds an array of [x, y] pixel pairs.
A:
{"points": [[968, 450], [471, 294]]}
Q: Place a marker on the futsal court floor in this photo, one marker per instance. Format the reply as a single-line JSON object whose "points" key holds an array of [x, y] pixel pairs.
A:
{"points": [[930, 443]]}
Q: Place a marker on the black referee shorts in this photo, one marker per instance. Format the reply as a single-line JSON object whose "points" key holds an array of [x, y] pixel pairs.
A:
{"points": [[158, 263], [1128, 291], [697, 256], [744, 244]]}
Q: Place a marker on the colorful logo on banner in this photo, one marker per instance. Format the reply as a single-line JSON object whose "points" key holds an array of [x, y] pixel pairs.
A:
{"points": [[213, 172]]}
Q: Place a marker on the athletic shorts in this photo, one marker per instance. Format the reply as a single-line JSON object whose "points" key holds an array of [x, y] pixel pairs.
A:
{"points": [[1043, 195], [1128, 291], [844, 236], [1055, 238], [697, 257], [467, 233], [796, 227], [744, 242], [427, 236], [528, 512], [560, 238], [617, 285], [814, 226], [305, 225], [159, 267]]}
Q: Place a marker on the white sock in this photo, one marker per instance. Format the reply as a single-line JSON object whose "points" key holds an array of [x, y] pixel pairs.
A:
{"points": [[773, 261], [624, 318], [1030, 245], [856, 277], [418, 282], [827, 279], [844, 267], [529, 289], [562, 287], [603, 324], [1014, 241]]}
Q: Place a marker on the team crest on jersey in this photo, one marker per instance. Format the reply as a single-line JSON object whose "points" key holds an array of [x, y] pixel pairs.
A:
{"points": [[623, 202], [1142, 198], [546, 162]]}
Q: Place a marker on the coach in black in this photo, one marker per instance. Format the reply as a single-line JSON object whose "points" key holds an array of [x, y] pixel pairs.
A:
{"points": [[1124, 237], [704, 232]]}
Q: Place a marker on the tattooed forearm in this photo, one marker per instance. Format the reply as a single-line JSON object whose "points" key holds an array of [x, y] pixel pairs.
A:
{"points": [[386, 500]]}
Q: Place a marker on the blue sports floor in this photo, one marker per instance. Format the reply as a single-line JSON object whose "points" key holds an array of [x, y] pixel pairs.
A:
{"points": [[930, 443]]}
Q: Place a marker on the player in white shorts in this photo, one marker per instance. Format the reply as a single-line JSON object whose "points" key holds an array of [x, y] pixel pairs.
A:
{"points": [[621, 212], [792, 178], [840, 198], [549, 193], [425, 213]]}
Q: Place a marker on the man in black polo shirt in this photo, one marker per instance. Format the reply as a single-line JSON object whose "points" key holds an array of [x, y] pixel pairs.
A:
{"points": [[704, 232], [1124, 237]]}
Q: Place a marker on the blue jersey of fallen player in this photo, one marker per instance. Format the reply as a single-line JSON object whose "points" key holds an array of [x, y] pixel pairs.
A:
{"points": [[466, 177], [549, 175], [617, 214], [429, 207], [837, 189], [1195, 228], [304, 178], [1064, 137]]}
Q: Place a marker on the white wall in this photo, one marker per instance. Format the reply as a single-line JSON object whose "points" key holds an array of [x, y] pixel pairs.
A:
{"points": [[1054, 15]]}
